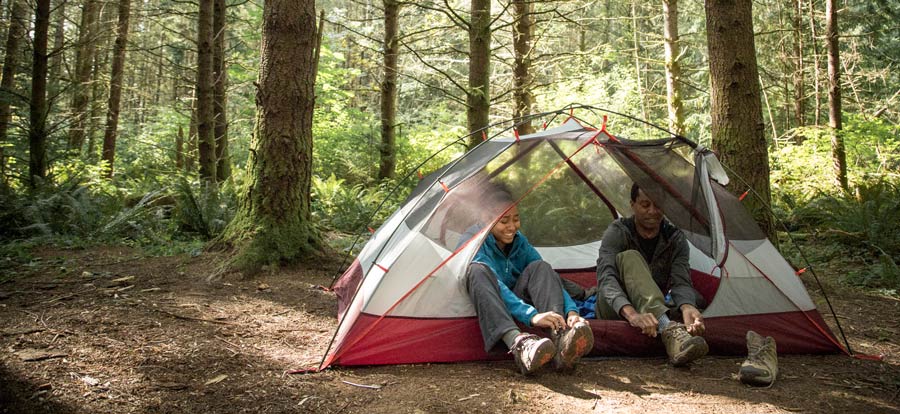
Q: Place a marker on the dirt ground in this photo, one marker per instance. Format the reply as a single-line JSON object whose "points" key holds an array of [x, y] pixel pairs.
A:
{"points": [[106, 330]]}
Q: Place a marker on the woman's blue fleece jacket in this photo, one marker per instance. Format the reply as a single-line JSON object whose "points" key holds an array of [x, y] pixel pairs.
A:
{"points": [[507, 269]]}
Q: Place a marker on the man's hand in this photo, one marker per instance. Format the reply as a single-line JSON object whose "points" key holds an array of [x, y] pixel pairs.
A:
{"points": [[572, 318], [551, 320], [646, 322], [693, 320]]}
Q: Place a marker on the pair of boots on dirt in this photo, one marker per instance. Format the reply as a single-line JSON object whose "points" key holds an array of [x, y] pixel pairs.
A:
{"points": [[566, 347]]}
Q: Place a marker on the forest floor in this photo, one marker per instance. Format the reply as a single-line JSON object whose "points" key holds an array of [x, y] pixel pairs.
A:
{"points": [[108, 330]]}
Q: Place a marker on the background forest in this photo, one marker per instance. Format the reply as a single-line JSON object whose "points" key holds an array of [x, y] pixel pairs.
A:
{"points": [[132, 121]]}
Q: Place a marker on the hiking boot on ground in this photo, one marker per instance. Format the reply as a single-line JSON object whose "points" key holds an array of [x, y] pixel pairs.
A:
{"points": [[531, 352], [761, 366], [681, 346], [572, 344]]}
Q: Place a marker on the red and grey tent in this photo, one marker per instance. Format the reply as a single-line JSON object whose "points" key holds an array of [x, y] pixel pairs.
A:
{"points": [[404, 299]]}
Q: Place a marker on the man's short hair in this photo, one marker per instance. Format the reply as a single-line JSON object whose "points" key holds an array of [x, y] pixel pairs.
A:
{"points": [[634, 192]]}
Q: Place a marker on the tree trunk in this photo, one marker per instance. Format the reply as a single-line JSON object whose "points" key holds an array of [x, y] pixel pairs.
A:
{"points": [[37, 129], [57, 61], [115, 86], [17, 28], [523, 80], [737, 125], [673, 67], [798, 78], [205, 113], [816, 76], [388, 162], [637, 58], [179, 149], [220, 103], [190, 155], [84, 60], [838, 154], [478, 97], [273, 222]]}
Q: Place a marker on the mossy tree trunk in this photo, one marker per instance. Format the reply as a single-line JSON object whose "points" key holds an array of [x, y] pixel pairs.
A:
{"points": [[478, 97], [220, 84], [206, 138], [673, 67], [838, 153], [737, 124], [523, 80], [273, 222], [388, 162]]}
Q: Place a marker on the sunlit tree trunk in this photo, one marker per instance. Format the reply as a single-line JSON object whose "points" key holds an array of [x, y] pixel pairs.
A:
{"points": [[17, 28], [37, 127], [388, 149], [798, 78], [220, 85], [523, 80], [817, 99], [84, 60], [673, 67], [838, 154], [115, 86], [637, 58], [737, 124], [478, 97], [206, 138], [273, 222]]}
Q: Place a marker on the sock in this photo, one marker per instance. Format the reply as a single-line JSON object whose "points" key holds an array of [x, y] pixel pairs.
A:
{"points": [[509, 338], [663, 323]]}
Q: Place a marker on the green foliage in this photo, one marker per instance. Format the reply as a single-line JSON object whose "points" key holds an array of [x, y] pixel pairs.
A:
{"points": [[349, 208], [860, 226], [201, 209]]}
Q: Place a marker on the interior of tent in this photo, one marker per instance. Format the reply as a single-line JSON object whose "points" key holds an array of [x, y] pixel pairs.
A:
{"points": [[404, 300]]}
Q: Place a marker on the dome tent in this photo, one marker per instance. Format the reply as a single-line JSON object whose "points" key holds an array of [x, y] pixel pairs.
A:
{"points": [[404, 299]]}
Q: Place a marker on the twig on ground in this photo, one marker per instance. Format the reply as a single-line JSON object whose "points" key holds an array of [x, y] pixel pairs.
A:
{"points": [[189, 318], [373, 387]]}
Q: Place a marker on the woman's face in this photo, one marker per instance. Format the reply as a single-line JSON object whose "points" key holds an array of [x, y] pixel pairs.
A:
{"points": [[505, 229]]}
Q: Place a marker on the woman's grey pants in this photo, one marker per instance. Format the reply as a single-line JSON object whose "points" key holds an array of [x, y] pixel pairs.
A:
{"points": [[538, 285]]}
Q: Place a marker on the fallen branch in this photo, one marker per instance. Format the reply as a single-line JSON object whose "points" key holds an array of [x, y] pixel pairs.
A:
{"points": [[189, 318], [373, 387]]}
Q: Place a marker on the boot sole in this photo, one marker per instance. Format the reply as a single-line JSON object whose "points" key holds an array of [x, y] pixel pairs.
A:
{"points": [[542, 356], [695, 350], [581, 342], [756, 377]]}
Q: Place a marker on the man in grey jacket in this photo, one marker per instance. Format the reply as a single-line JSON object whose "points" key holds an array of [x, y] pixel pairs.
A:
{"points": [[640, 258]]}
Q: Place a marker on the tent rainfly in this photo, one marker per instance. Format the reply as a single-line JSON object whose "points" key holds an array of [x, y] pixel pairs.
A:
{"points": [[404, 300]]}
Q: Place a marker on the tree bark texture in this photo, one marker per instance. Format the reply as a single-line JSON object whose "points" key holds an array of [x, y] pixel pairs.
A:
{"points": [[799, 77], [17, 28], [737, 124], [205, 113], [478, 97], [57, 59], [838, 154], [115, 86], [816, 77], [523, 80], [673, 67], [220, 102], [84, 60], [273, 220], [388, 149], [37, 127], [179, 149]]}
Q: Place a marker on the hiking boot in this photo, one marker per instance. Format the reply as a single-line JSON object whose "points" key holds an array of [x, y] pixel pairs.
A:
{"points": [[681, 346], [761, 366], [531, 352], [572, 344]]}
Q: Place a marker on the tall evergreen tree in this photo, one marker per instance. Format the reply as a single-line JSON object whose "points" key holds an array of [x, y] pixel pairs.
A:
{"points": [[115, 86], [37, 126], [273, 222], [735, 98], [206, 138], [478, 95], [388, 150], [838, 153], [17, 28]]}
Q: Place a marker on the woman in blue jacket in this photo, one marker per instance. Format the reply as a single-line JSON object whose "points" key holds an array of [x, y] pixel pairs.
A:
{"points": [[508, 282]]}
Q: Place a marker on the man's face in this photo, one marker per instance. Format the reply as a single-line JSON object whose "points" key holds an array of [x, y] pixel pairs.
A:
{"points": [[505, 229], [647, 215]]}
